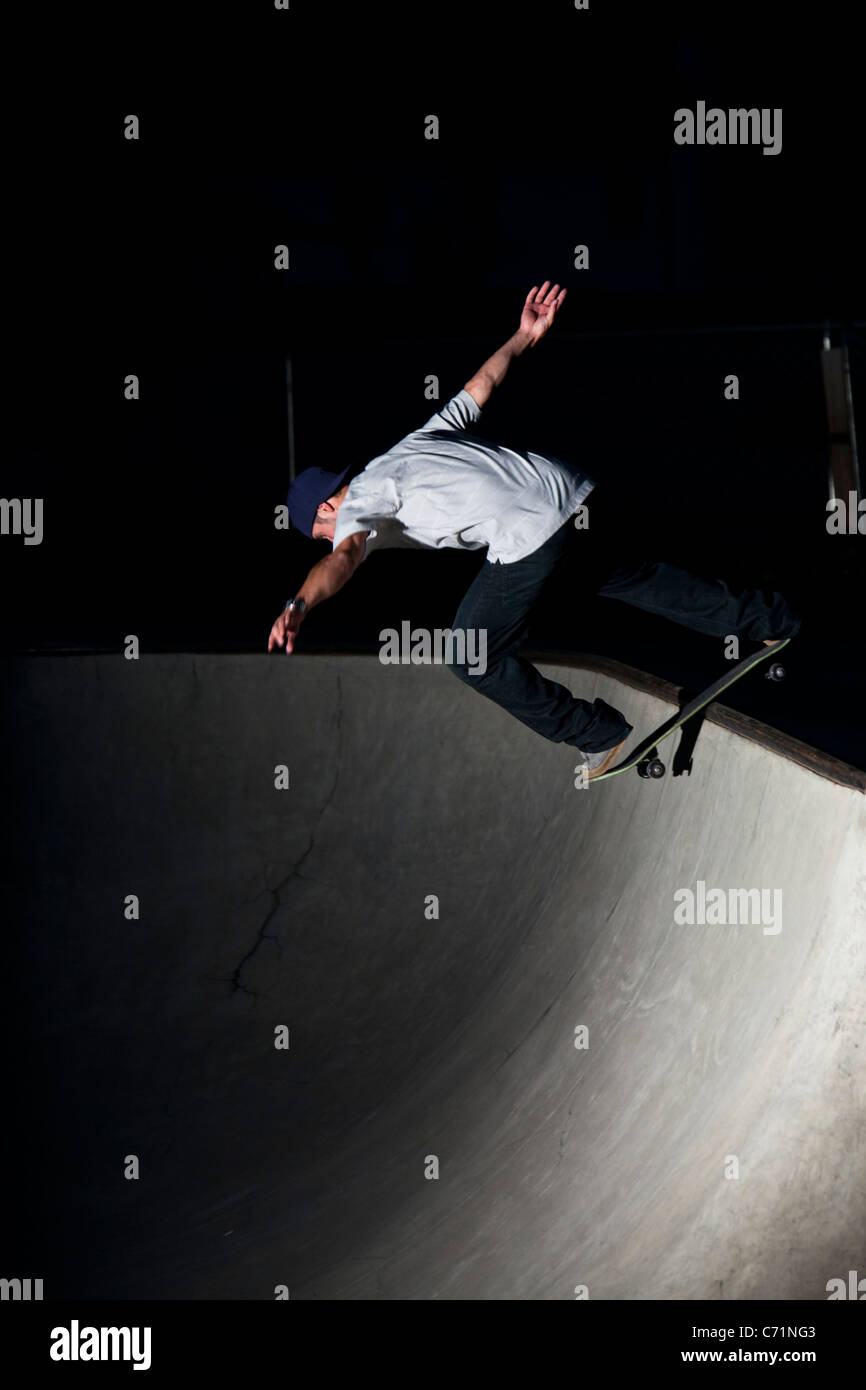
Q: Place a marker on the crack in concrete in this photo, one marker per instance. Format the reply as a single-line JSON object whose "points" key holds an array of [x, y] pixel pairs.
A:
{"points": [[263, 933], [276, 894]]}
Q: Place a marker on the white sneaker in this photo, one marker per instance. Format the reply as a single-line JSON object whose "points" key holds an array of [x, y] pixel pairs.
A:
{"points": [[601, 761]]}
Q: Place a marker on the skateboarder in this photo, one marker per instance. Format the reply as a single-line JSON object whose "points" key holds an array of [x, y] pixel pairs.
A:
{"points": [[443, 486]]}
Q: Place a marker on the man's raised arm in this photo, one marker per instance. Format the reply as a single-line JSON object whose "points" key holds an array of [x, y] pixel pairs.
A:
{"points": [[538, 314], [326, 577]]}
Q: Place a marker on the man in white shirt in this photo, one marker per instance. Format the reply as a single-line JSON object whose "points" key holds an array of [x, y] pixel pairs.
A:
{"points": [[445, 487]]}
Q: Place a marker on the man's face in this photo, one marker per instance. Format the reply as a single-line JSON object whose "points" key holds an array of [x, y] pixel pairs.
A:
{"points": [[326, 517], [323, 526]]}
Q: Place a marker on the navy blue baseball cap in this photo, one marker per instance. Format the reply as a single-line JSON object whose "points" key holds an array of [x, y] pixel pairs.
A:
{"points": [[306, 494]]}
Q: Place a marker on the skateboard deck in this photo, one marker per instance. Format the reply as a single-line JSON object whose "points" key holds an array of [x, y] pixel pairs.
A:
{"points": [[644, 758]]}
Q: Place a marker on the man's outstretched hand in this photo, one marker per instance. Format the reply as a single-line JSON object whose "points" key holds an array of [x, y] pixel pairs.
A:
{"points": [[285, 630], [539, 310]]}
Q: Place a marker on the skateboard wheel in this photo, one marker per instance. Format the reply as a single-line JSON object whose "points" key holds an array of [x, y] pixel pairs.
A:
{"points": [[776, 672], [651, 767]]}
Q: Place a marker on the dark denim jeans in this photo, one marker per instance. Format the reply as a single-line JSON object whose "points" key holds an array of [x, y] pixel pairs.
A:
{"points": [[501, 596]]}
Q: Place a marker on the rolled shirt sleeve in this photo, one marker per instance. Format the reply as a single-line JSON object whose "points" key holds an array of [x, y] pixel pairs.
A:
{"points": [[363, 510], [458, 414]]}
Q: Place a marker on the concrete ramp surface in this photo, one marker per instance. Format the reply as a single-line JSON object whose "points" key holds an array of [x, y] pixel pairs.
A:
{"points": [[512, 1073]]}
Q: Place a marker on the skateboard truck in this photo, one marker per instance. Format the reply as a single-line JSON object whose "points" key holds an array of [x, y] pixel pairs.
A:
{"points": [[775, 673]]}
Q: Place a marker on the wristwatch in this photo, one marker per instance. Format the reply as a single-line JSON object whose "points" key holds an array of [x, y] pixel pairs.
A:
{"points": [[298, 603]]}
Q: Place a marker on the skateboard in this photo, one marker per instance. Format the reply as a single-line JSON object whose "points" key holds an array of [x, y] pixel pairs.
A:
{"points": [[645, 756]]}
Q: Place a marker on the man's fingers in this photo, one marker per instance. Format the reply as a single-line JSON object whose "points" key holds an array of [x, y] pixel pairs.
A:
{"points": [[278, 633], [545, 297]]}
